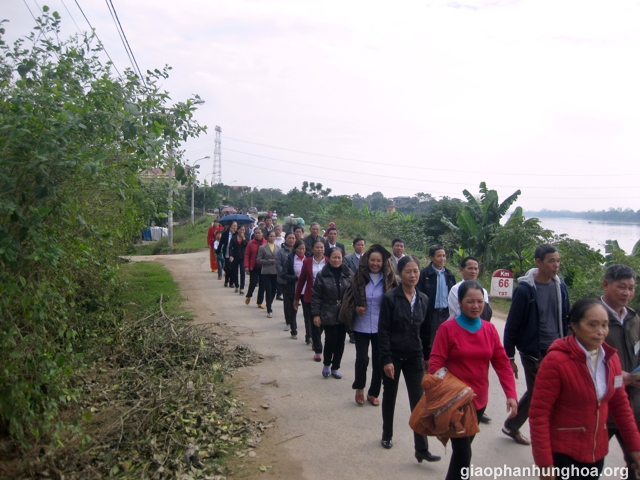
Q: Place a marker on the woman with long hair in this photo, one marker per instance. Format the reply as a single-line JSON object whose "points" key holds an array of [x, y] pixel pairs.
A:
{"points": [[580, 381], [267, 258], [403, 340], [465, 345], [310, 269], [326, 298], [292, 269], [361, 313], [223, 248]]}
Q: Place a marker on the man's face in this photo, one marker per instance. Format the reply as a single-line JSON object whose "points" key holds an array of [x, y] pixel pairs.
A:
{"points": [[359, 247], [619, 293], [470, 270], [439, 259], [315, 229], [550, 265], [298, 234], [398, 249], [278, 231], [268, 222], [332, 236]]}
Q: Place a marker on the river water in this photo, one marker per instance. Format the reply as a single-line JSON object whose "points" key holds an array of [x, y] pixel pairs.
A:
{"points": [[595, 233]]}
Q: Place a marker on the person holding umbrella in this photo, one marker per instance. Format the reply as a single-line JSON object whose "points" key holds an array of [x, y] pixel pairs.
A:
{"points": [[223, 248]]}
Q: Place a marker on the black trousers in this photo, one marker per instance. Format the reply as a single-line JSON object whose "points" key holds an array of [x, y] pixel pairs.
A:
{"points": [[461, 454], [362, 363], [413, 371], [227, 272], [270, 280], [290, 313], [530, 367], [237, 272], [576, 470], [255, 279], [311, 331], [627, 458], [438, 317], [334, 336]]}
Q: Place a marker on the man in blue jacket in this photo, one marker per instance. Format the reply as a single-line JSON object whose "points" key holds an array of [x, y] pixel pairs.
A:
{"points": [[537, 317]]}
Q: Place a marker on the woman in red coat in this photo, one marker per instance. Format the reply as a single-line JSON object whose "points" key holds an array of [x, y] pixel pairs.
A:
{"points": [[578, 384], [310, 268]]}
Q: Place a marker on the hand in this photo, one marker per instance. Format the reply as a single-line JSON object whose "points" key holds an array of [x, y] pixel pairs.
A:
{"points": [[550, 470], [512, 407], [247, 271], [635, 456], [361, 310], [317, 321], [295, 306], [273, 260], [389, 371], [231, 259], [514, 367], [426, 366]]}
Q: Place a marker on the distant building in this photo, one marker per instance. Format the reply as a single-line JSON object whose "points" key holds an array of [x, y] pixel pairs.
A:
{"points": [[148, 176], [391, 208]]}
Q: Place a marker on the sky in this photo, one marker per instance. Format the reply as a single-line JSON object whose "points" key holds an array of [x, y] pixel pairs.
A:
{"points": [[404, 97]]}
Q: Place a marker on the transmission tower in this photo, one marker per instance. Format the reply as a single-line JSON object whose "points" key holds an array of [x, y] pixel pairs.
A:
{"points": [[217, 159]]}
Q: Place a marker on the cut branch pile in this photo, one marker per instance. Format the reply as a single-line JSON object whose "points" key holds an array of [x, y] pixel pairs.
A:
{"points": [[157, 407]]}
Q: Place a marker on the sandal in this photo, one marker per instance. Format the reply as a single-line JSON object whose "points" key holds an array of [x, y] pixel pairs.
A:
{"points": [[373, 400], [360, 398], [517, 436]]}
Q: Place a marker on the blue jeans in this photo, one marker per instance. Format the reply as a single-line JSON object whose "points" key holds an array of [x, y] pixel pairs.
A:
{"points": [[220, 257]]}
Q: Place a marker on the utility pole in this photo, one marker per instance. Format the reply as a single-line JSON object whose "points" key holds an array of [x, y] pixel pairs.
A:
{"points": [[170, 222], [217, 158]]}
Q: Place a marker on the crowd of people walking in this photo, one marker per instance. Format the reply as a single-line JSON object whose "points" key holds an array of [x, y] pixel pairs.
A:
{"points": [[579, 361]]}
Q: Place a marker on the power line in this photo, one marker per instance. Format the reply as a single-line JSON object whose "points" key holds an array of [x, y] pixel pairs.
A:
{"points": [[537, 187], [395, 165], [73, 19], [407, 189], [35, 20], [100, 41], [127, 46]]}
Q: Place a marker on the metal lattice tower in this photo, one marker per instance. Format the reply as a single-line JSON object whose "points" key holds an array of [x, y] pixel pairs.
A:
{"points": [[217, 159]]}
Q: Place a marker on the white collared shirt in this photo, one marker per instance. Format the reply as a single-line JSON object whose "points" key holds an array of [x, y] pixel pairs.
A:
{"points": [[615, 314], [599, 373]]}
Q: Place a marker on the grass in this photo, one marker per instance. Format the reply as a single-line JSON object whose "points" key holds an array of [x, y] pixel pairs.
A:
{"points": [[144, 282]]}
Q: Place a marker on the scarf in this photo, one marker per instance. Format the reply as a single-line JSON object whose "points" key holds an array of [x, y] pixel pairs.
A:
{"points": [[470, 324]]}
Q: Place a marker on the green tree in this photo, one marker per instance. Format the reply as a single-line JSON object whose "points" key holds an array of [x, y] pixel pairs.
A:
{"points": [[479, 221], [74, 139]]}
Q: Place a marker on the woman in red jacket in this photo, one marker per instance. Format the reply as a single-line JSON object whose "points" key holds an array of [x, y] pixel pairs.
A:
{"points": [[310, 268], [254, 269], [466, 345], [579, 382]]}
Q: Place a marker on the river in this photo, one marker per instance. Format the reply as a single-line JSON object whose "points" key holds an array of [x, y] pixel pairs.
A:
{"points": [[595, 233]]}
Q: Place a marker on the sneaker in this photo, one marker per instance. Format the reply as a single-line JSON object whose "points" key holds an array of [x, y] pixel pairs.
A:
{"points": [[294, 337], [241, 292], [307, 341], [247, 300], [236, 290], [286, 328], [326, 371], [317, 358], [269, 315], [260, 306], [279, 297], [352, 339], [336, 374]]}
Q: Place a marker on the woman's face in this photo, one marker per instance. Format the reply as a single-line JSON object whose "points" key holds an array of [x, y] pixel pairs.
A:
{"points": [[241, 230], [318, 250], [375, 262], [336, 258], [272, 237], [258, 234], [592, 328], [410, 274], [473, 303], [290, 240], [300, 250], [233, 227]]}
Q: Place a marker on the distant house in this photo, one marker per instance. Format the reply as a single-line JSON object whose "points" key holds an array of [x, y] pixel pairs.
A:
{"points": [[148, 176]]}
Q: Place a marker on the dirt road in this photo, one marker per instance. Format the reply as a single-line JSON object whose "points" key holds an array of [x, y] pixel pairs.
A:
{"points": [[320, 432]]}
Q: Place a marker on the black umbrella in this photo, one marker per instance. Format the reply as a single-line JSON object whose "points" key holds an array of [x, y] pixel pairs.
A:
{"points": [[236, 217]]}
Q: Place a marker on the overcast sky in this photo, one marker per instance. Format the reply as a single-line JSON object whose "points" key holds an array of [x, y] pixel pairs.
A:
{"points": [[398, 97]]}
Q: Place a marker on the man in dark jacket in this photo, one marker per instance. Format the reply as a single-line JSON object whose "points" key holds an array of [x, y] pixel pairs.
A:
{"points": [[537, 317], [353, 260], [332, 242], [435, 282], [313, 237], [619, 286]]}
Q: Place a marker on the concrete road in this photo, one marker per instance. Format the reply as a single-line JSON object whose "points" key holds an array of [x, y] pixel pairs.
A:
{"points": [[321, 433]]}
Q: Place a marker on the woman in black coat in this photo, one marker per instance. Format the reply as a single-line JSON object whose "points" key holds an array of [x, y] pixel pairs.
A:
{"points": [[290, 278], [403, 341], [326, 299], [236, 257], [223, 248]]}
